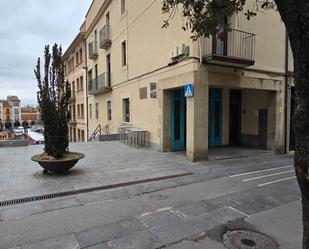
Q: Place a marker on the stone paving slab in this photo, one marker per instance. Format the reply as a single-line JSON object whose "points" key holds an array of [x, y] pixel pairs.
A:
{"points": [[109, 232], [235, 152], [16, 212], [104, 195], [160, 218], [99, 246], [61, 203], [202, 244], [139, 240], [139, 189], [64, 242], [194, 209]]}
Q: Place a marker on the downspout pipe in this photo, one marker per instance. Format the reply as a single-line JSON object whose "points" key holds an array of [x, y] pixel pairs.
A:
{"points": [[286, 79], [86, 84]]}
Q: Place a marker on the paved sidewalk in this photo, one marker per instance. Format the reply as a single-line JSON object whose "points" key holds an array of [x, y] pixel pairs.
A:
{"points": [[105, 164], [183, 227], [283, 223], [188, 212], [153, 220]]}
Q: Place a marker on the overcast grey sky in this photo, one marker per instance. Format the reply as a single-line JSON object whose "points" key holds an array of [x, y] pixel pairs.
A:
{"points": [[26, 26]]}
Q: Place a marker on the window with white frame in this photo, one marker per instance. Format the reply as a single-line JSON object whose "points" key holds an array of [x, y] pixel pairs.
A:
{"points": [[123, 6], [126, 110], [90, 111], [124, 53], [97, 111], [109, 110]]}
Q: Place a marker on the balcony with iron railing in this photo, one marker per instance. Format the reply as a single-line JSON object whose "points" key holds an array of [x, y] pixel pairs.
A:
{"points": [[73, 96], [93, 50], [99, 84], [229, 47], [73, 120], [105, 39]]}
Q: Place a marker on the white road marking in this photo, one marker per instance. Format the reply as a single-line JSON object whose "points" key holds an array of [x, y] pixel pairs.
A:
{"points": [[264, 176], [280, 180], [238, 211], [259, 171]]}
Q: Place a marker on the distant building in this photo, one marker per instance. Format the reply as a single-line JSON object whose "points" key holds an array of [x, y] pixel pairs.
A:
{"points": [[75, 72], [10, 112], [29, 116]]}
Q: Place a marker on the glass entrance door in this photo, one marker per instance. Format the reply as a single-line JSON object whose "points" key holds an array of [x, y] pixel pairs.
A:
{"points": [[178, 120], [215, 117]]}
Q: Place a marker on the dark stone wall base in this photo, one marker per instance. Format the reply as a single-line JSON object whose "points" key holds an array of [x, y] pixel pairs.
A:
{"points": [[249, 140], [13, 143], [107, 137]]}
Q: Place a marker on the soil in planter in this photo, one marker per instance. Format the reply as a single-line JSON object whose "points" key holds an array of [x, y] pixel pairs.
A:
{"points": [[65, 157]]}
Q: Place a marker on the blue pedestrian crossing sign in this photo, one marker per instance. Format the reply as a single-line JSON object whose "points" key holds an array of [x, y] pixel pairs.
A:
{"points": [[189, 90]]}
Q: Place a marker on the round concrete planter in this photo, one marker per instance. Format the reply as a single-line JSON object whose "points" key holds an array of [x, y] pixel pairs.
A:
{"points": [[58, 166]]}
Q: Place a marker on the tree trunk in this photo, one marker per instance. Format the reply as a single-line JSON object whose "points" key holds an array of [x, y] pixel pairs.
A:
{"points": [[295, 17], [305, 205], [301, 132]]}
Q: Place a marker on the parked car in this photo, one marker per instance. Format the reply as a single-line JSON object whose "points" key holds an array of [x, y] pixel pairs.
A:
{"points": [[19, 131]]}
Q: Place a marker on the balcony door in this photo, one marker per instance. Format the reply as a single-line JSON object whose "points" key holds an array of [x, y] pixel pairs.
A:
{"points": [[90, 86], [220, 40], [95, 41], [108, 70], [107, 18], [96, 77]]}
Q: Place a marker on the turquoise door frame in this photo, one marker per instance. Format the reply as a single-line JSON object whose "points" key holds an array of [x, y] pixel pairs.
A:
{"points": [[215, 117], [178, 120]]}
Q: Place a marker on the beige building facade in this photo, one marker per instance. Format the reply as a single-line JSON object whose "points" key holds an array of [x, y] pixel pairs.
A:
{"points": [[141, 75], [10, 112], [75, 61], [30, 116]]}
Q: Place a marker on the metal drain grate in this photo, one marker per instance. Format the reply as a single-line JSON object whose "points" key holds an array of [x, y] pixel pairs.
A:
{"points": [[87, 190], [244, 239]]}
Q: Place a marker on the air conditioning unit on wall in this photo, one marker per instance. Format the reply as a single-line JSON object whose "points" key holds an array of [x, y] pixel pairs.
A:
{"points": [[180, 50], [173, 53], [185, 50]]}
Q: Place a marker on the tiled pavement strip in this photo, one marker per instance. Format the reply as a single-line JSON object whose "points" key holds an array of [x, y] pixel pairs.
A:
{"points": [[167, 224], [171, 225]]}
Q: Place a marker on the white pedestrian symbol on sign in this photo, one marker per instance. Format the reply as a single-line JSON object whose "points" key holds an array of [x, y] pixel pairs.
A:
{"points": [[189, 90]]}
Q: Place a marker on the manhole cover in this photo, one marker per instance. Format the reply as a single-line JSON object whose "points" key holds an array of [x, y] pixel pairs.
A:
{"points": [[243, 239]]}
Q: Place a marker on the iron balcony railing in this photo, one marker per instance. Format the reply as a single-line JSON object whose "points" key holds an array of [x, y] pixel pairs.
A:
{"points": [[93, 50], [105, 39], [73, 96], [230, 43], [99, 84]]}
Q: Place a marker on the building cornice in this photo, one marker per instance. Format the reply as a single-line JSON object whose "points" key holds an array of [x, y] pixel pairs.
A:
{"points": [[97, 16], [77, 40]]}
